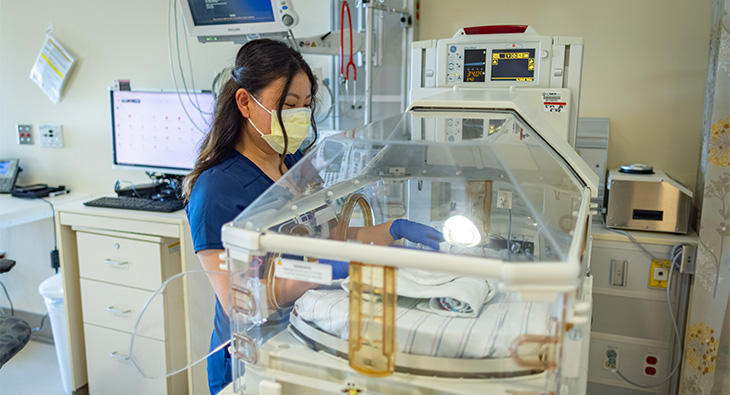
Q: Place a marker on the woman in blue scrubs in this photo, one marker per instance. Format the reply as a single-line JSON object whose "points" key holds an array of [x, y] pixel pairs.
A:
{"points": [[236, 163], [262, 115]]}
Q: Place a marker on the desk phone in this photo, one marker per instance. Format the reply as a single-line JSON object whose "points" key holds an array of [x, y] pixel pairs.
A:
{"points": [[8, 174]]}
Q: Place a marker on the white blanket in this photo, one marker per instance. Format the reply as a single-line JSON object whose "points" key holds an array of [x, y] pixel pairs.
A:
{"points": [[424, 333], [446, 294]]}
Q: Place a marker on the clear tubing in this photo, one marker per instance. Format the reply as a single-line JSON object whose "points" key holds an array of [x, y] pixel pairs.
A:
{"points": [[159, 290]]}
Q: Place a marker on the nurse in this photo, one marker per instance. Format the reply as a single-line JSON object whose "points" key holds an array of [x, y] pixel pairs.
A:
{"points": [[262, 115]]}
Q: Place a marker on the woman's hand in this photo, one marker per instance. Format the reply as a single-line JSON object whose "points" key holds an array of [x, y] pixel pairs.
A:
{"points": [[415, 232], [340, 269]]}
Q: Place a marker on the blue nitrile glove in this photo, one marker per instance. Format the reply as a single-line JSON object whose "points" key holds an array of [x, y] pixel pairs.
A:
{"points": [[339, 269], [415, 232]]}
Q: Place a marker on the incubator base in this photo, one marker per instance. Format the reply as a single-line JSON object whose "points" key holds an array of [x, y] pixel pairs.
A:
{"points": [[299, 370]]}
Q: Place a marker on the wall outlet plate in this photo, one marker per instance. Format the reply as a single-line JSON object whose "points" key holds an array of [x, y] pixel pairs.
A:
{"points": [[610, 358], [618, 271], [659, 274], [24, 133], [504, 199], [651, 365], [51, 136]]}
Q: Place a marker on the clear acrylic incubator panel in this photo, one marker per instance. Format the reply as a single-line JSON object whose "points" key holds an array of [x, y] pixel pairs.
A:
{"points": [[324, 301]]}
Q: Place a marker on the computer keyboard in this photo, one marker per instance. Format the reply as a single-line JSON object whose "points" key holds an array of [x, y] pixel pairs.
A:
{"points": [[132, 203]]}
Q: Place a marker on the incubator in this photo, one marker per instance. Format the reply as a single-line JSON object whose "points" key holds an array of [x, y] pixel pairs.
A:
{"points": [[323, 302]]}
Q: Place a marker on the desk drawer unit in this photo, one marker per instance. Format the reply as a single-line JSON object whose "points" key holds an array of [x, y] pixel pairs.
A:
{"points": [[118, 307], [118, 260], [109, 371], [118, 273]]}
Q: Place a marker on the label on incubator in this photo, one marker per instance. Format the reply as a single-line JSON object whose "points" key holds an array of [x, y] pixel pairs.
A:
{"points": [[553, 102], [303, 271]]}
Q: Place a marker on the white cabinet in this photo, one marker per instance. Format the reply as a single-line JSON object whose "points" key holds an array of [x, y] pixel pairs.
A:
{"points": [[112, 262], [109, 370], [632, 328], [118, 273]]}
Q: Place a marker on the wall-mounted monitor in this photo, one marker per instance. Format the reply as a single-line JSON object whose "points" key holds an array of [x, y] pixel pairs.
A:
{"points": [[158, 130], [237, 20]]}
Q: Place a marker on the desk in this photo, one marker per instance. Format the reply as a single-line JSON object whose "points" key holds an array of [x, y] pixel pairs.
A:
{"points": [[26, 236], [17, 211], [121, 253]]}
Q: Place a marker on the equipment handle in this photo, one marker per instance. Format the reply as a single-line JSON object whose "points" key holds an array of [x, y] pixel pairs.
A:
{"points": [[119, 357], [118, 311], [117, 264]]}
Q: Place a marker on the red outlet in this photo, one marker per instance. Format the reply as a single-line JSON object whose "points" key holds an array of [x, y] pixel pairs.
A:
{"points": [[651, 360], [650, 371]]}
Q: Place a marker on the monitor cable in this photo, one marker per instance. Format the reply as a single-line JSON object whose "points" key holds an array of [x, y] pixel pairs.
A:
{"points": [[172, 15], [131, 185]]}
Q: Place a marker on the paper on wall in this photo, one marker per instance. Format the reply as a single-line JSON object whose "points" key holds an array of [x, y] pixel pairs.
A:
{"points": [[51, 68]]}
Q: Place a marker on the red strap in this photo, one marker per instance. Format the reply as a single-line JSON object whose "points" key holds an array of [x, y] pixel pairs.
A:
{"points": [[495, 29]]}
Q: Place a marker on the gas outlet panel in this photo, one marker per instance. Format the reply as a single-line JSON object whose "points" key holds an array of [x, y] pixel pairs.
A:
{"points": [[659, 274], [24, 133]]}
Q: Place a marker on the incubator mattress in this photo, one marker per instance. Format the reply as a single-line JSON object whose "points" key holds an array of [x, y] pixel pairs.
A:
{"points": [[420, 332]]}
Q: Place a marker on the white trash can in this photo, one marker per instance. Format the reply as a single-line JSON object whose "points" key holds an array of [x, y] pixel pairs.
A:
{"points": [[52, 291]]}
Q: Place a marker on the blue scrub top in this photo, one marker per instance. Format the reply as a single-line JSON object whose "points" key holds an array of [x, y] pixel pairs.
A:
{"points": [[218, 196]]}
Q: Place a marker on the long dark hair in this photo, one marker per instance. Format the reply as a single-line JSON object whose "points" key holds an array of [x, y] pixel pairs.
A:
{"points": [[258, 64]]}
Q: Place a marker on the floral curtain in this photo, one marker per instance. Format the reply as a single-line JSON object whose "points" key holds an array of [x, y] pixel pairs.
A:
{"points": [[706, 359]]}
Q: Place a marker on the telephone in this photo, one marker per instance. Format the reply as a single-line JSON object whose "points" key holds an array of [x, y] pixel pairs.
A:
{"points": [[9, 170]]}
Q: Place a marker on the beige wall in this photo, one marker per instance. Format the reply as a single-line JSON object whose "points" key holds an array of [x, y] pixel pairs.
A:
{"points": [[644, 68], [111, 40]]}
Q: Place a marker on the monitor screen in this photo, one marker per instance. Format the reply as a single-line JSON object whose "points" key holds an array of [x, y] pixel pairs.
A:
{"points": [[153, 131], [225, 20], [475, 61], [224, 12], [513, 64], [4, 166]]}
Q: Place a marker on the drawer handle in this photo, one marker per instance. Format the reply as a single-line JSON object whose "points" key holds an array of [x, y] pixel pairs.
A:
{"points": [[119, 357], [116, 264], [118, 311]]}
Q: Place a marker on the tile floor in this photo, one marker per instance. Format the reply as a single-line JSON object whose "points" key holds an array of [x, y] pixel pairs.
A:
{"points": [[34, 370]]}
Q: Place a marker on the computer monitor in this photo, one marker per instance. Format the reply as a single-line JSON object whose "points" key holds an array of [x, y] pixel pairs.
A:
{"points": [[151, 130], [237, 21]]}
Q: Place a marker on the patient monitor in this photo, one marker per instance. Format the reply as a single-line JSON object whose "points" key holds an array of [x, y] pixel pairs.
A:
{"points": [[499, 61], [238, 21]]}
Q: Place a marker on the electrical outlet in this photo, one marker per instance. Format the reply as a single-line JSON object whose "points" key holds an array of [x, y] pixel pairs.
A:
{"points": [[618, 272], [659, 274], [651, 364], [24, 133], [610, 358], [51, 136], [504, 199]]}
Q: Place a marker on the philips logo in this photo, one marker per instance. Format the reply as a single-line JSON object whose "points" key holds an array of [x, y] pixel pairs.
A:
{"points": [[234, 29]]}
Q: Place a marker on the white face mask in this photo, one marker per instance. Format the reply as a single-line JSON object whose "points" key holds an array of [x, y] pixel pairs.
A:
{"points": [[296, 121]]}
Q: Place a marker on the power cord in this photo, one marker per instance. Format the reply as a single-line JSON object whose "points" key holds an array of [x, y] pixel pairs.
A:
{"points": [[12, 308], [43, 319], [675, 254], [55, 260]]}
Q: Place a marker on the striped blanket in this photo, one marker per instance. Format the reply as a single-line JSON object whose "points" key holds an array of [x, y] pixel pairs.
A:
{"points": [[422, 332]]}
